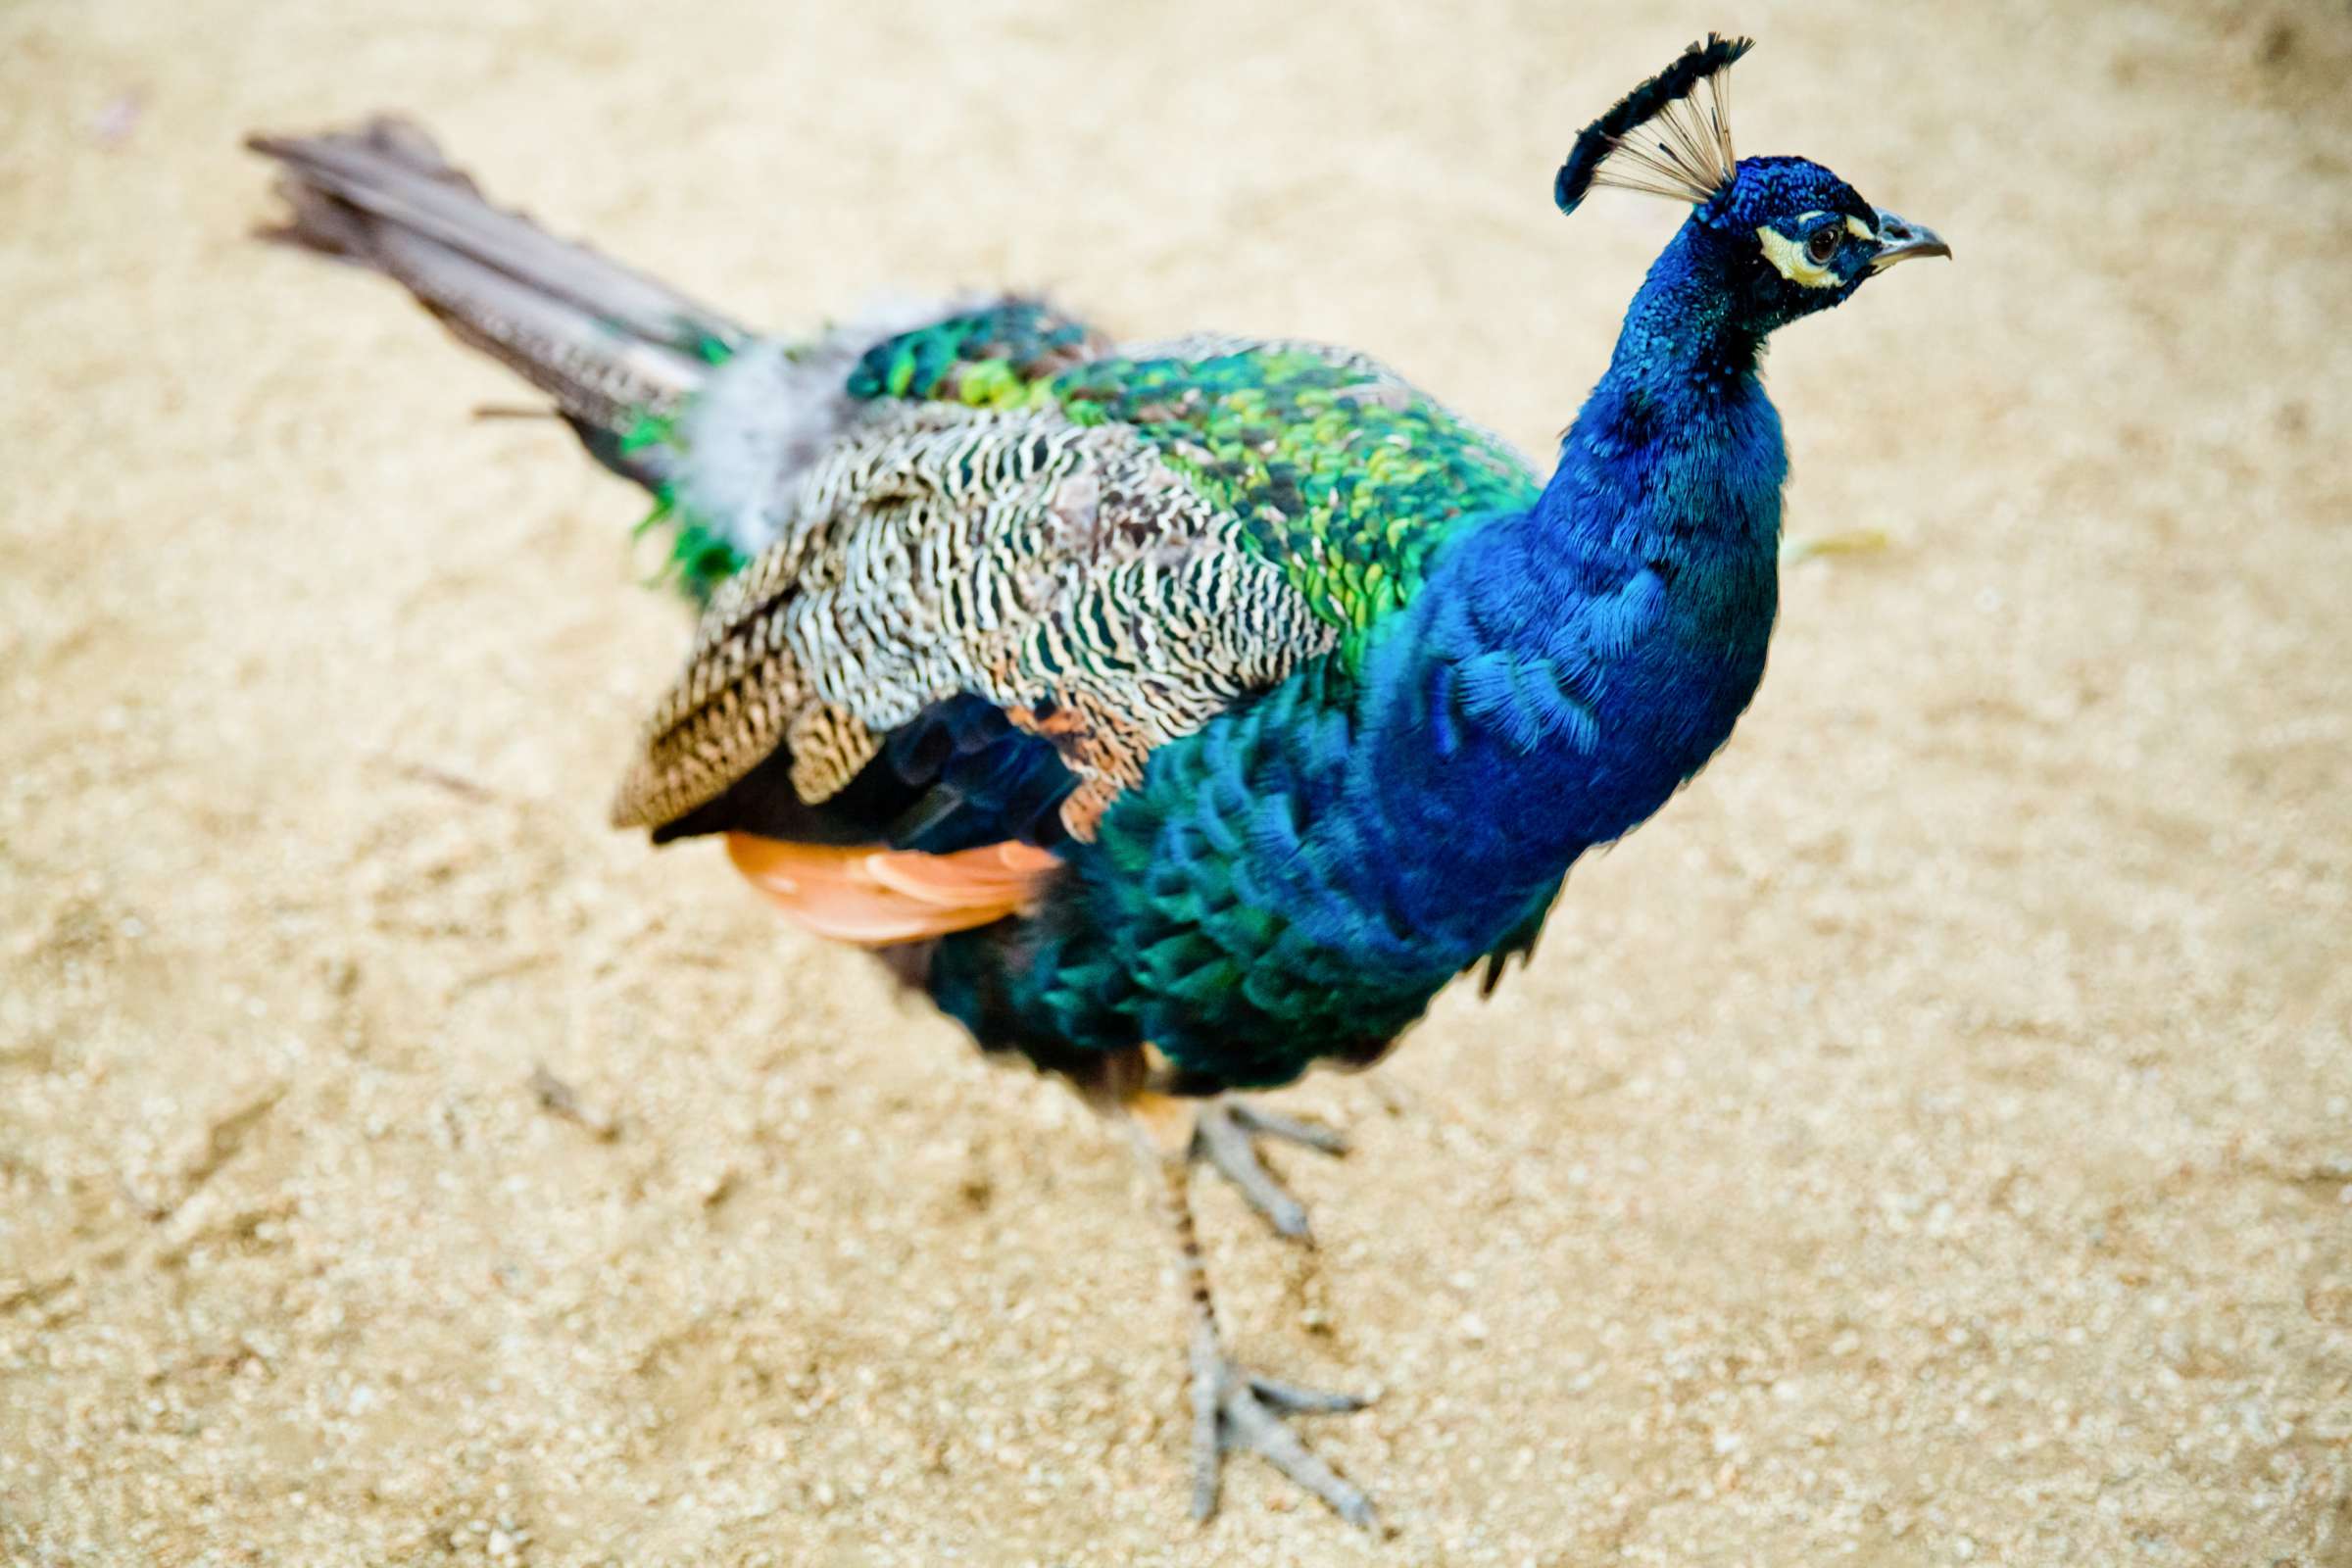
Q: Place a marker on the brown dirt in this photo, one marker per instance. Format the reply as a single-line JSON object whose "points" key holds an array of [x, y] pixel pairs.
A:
{"points": [[1932, 1141]]}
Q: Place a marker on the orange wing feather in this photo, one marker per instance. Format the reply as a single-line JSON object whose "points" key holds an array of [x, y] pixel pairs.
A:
{"points": [[877, 897]]}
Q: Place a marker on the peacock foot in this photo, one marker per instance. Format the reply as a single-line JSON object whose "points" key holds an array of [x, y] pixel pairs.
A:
{"points": [[1234, 1410], [1226, 1134]]}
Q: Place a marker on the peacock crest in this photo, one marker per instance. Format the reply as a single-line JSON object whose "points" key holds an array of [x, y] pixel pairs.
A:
{"points": [[1661, 140]]}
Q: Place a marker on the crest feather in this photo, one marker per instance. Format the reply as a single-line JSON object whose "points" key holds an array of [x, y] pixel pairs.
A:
{"points": [[1660, 138]]}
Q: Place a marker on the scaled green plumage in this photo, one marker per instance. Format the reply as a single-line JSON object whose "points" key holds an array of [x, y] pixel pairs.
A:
{"points": [[1346, 478], [1336, 469]]}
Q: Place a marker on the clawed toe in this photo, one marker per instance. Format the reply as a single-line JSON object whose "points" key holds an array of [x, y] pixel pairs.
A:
{"points": [[1226, 1135], [1291, 1399], [1234, 1410]]}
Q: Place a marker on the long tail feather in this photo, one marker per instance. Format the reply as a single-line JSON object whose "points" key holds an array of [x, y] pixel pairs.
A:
{"points": [[608, 345]]}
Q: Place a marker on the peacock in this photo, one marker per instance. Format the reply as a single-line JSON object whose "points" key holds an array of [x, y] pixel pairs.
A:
{"points": [[1176, 715]]}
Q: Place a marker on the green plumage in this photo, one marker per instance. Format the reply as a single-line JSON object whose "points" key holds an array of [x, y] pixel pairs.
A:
{"points": [[1339, 473], [987, 358], [1336, 471], [699, 559]]}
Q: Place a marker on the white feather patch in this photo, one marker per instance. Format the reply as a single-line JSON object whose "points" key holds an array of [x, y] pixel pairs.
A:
{"points": [[1789, 259], [769, 414]]}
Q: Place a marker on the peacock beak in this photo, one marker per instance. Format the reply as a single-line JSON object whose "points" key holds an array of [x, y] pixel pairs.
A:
{"points": [[1900, 240]]}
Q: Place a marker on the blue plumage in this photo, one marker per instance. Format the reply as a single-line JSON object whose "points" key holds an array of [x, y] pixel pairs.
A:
{"points": [[1299, 877]]}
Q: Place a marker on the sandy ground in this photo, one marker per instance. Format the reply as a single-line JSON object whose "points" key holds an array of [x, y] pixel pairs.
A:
{"points": [[1929, 1142]]}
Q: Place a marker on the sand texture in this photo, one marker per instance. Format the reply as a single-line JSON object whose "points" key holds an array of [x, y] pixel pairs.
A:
{"points": [[1929, 1142]]}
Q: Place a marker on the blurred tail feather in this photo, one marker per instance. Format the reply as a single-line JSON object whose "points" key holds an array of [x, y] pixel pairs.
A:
{"points": [[608, 345]]}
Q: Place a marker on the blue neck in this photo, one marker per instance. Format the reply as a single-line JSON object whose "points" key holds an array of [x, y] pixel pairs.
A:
{"points": [[1686, 338], [1563, 670], [1677, 445]]}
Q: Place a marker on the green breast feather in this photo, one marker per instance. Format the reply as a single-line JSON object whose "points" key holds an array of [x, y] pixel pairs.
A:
{"points": [[1336, 469]]}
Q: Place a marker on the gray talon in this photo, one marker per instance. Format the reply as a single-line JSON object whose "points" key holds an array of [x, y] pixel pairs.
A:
{"points": [[1290, 1129], [1233, 1409], [1291, 1399], [1226, 1136]]}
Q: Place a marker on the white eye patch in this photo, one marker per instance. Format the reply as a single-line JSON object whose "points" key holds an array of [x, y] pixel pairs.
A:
{"points": [[1789, 258]]}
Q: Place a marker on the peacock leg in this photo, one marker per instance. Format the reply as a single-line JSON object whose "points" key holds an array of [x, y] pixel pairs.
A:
{"points": [[1233, 1408], [1226, 1135]]}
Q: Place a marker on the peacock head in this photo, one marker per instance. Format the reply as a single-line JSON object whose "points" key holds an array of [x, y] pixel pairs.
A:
{"points": [[1785, 235]]}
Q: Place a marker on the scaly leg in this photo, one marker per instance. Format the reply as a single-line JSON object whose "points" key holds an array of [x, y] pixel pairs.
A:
{"points": [[1232, 1407], [1225, 1134]]}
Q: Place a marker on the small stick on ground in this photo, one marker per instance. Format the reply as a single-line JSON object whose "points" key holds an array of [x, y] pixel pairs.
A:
{"points": [[566, 1101]]}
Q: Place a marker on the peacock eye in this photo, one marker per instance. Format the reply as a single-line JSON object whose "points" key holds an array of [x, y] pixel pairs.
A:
{"points": [[1824, 243]]}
